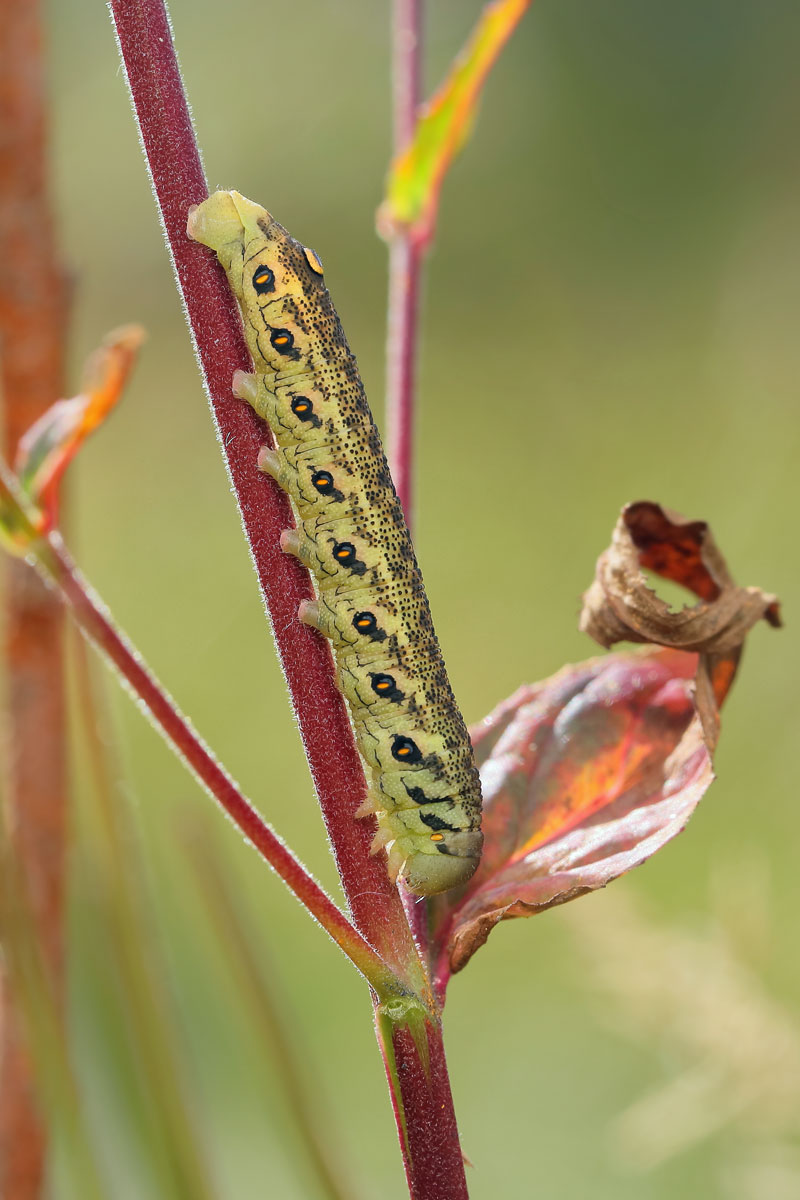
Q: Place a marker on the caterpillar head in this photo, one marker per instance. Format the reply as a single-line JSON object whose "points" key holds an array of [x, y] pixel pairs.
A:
{"points": [[225, 218], [235, 227]]}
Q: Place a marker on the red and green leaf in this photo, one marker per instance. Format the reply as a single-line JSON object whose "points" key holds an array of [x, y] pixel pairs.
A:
{"points": [[444, 124], [593, 773]]}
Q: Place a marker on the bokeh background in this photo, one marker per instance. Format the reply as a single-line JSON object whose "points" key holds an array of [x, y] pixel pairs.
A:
{"points": [[611, 314]]}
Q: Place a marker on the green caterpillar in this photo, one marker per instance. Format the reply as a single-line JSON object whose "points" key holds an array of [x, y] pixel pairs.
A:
{"points": [[351, 533]]}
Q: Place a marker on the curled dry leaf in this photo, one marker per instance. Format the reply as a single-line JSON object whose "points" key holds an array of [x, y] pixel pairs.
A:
{"points": [[47, 449], [620, 606], [589, 773]]}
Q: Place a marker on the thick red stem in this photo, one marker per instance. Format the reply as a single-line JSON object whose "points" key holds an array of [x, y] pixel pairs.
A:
{"points": [[178, 179], [432, 1154], [174, 162]]}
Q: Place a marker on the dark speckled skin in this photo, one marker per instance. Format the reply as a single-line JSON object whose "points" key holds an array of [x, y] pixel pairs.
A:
{"points": [[352, 535]]}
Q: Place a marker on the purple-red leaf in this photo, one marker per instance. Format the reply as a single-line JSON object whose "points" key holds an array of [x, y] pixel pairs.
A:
{"points": [[596, 769]]}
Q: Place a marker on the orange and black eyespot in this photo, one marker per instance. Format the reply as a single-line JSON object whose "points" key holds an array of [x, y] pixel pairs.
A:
{"points": [[304, 409], [346, 556], [385, 686], [367, 623], [405, 750], [282, 341], [264, 281], [323, 482]]}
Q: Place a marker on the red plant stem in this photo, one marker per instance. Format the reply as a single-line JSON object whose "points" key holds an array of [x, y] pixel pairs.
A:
{"points": [[165, 125], [33, 309], [406, 69], [91, 616], [431, 1154], [405, 260], [431, 1150]]}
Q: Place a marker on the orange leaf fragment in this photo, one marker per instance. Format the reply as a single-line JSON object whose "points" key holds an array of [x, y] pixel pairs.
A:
{"points": [[47, 449]]}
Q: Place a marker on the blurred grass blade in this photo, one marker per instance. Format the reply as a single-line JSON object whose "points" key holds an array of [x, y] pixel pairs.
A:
{"points": [[444, 124], [46, 1038], [135, 961], [48, 447], [257, 990]]}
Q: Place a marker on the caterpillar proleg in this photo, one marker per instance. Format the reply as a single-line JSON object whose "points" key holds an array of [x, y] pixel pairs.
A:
{"points": [[352, 535]]}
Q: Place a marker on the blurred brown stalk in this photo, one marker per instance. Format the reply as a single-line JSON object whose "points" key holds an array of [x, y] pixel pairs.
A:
{"points": [[33, 304]]}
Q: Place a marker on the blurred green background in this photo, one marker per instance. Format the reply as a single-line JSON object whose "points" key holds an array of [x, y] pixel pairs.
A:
{"points": [[611, 315]]}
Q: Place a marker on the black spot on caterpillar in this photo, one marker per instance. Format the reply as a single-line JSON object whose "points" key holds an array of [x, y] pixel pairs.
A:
{"points": [[366, 623], [263, 281], [385, 686], [283, 341], [351, 533], [303, 408]]}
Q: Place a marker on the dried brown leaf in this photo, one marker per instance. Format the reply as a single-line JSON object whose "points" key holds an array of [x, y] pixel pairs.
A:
{"points": [[620, 606]]}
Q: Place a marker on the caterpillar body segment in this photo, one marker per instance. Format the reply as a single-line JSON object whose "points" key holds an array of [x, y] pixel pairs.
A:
{"points": [[351, 533]]}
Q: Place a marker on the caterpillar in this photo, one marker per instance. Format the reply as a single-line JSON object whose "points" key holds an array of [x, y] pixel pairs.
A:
{"points": [[352, 535]]}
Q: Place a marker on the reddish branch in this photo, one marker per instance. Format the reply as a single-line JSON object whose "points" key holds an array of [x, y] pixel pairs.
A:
{"points": [[179, 182], [431, 1154], [94, 621], [33, 304]]}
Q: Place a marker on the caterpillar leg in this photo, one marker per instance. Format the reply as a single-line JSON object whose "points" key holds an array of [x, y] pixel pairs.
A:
{"points": [[308, 612], [319, 616], [245, 387], [381, 839], [269, 462], [292, 543], [367, 809], [255, 390]]}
